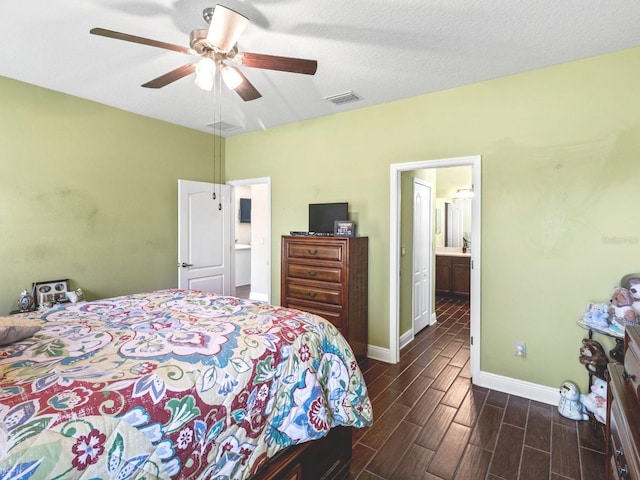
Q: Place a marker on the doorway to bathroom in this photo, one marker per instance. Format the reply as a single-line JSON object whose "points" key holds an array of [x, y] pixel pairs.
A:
{"points": [[397, 247], [252, 238]]}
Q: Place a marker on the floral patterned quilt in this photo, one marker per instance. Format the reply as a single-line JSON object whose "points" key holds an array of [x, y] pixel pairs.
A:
{"points": [[173, 384]]}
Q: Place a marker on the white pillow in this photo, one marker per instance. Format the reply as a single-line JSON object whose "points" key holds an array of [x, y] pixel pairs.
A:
{"points": [[13, 329]]}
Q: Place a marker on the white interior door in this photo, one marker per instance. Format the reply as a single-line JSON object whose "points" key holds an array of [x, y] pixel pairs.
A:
{"points": [[421, 254], [204, 237]]}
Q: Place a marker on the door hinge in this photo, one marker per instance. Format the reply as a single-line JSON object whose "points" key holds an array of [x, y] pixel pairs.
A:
{"points": [[471, 340]]}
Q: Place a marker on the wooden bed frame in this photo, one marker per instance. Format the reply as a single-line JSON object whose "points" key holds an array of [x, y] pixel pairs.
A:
{"points": [[327, 458]]}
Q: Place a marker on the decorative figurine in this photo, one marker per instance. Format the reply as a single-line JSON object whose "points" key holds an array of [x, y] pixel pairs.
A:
{"points": [[570, 406], [80, 295], [76, 296], [26, 301]]}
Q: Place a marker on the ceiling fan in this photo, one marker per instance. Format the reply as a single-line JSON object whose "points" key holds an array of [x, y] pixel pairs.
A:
{"points": [[219, 51]]}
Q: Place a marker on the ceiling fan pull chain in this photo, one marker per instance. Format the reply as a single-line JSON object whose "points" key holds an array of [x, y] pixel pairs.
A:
{"points": [[214, 149], [217, 98]]}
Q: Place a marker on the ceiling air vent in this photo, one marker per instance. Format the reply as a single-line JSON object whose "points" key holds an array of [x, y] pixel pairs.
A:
{"points": [[222, 126], [343, 98]]}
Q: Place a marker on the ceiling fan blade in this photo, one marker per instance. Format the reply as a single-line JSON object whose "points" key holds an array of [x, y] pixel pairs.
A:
{"points": [[246, 90], [273, 62], [135, 39], [225, 28], [171, 76]]}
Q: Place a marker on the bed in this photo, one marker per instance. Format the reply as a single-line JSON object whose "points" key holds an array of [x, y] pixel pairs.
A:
{"points": [[178, 384]]}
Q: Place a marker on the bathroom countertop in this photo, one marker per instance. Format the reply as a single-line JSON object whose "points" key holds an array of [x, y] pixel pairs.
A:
{"points": [[452, 252]]}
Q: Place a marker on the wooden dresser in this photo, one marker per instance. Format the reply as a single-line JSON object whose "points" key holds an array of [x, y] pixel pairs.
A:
{"points": [[329, 276], [623, 412]]}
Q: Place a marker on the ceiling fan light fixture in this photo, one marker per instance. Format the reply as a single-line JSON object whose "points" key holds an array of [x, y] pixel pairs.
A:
{"points": [[205, 73], [217, 45], [225, 28], [231, 77]]}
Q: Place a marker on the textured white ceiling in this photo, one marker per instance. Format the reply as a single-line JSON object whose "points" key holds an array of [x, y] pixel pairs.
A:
{"points": [[382, 50]]}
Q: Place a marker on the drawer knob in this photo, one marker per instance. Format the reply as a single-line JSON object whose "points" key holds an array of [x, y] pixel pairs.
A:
{"points": [[627, 377], [312, 273], [623, 472], [618, 453], [312, 294], [312, 252]]}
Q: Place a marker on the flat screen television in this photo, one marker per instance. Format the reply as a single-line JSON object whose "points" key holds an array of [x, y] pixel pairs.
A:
{"points": [[322, 216]]}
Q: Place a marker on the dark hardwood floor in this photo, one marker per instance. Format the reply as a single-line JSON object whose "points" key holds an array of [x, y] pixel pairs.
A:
{"points": [[243, 291], [432, 423]]}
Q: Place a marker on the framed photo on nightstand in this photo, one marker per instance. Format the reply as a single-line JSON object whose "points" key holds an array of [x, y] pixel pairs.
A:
{"points": [[51, 292]]}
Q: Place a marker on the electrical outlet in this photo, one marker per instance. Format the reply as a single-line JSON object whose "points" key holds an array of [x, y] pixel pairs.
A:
{"points": [[520, 349]]}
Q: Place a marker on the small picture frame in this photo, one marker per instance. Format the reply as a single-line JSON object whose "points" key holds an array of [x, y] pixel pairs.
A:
{"points": [[344, 228], [47, 294]]}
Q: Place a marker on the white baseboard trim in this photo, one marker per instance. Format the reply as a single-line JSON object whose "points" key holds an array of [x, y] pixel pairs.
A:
{"points": [[405, 338], [262, 297], [511, 386], [379, 353]]}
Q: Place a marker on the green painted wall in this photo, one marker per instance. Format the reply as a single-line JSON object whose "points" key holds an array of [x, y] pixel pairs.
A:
{"points": [[560, 177], [89, 193]]}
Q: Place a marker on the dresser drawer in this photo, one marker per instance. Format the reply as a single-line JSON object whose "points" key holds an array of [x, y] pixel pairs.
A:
{"points": [[613, 472], [632, 370], [632, 359], [313, 272], [623, 436], [315, 251], [334, 316], [618, 465], [315, 294]]}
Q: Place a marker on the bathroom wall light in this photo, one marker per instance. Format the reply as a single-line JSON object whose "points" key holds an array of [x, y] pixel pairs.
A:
{"points": [[463, 193]]}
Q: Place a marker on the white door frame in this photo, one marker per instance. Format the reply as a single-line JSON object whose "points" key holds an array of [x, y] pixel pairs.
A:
{"points": [[267, 182], [394, 261]]}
